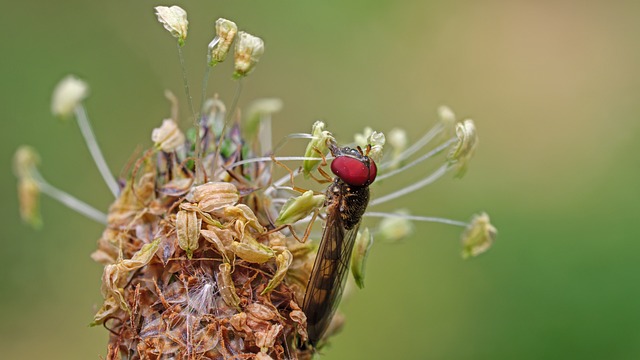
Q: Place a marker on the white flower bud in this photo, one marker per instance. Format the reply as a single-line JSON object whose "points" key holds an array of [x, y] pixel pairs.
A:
{"points": [[446, 116], [68, 94], [398, 140]]}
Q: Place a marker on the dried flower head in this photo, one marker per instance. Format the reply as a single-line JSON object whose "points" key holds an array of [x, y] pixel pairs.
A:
{"points": [[68, 94], [200, 253]]}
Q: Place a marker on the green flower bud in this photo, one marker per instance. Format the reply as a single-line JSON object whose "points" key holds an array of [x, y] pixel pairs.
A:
{"points": [[300, 207], [317, 147]]}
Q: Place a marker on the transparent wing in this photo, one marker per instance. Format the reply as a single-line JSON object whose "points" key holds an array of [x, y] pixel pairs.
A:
{"points": [[327, 281]]}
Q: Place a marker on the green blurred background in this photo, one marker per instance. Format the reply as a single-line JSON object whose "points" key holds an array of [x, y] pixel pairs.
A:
{"points": [[553, 87]]}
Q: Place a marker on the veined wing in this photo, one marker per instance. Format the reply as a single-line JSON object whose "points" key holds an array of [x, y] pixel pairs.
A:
{"points": [[330, 269]]}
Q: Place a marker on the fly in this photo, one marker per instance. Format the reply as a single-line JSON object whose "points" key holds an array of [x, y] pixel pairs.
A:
{"points": [[346, 201]]}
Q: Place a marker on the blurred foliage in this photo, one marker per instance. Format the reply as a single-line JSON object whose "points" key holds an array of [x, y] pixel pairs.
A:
{"points": [[553, 87]]}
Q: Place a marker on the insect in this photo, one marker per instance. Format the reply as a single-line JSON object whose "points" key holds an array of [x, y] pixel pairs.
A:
{"points": [[346, 201]]}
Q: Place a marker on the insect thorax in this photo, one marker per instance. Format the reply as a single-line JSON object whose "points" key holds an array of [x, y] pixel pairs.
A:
{"points": [[350, 201]]}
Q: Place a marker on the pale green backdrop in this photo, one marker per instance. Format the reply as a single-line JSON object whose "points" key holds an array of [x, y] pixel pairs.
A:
{"points": [[552, 85]]}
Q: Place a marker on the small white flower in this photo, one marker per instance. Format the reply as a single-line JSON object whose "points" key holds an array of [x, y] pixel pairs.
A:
{"points": [[68, 94], [377, 141], [168, 137], [374, 138], [447, 119], [174, 19], [398, 139], [248, 51]]}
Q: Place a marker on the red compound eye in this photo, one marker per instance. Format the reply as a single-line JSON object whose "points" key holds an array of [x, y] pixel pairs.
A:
{"points": [[353, 171]]}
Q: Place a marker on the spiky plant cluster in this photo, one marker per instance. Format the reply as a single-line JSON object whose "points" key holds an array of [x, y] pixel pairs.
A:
{"points": [[202, 252]]}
